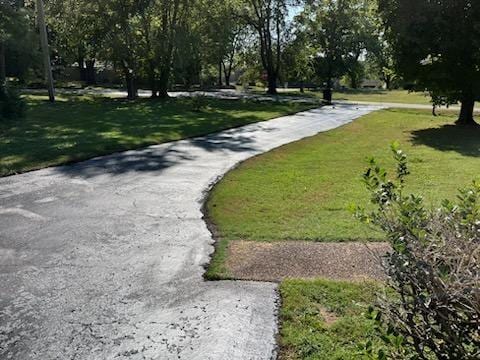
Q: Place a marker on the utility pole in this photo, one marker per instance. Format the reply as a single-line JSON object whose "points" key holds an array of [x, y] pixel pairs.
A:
{"points": [[45, 50]]}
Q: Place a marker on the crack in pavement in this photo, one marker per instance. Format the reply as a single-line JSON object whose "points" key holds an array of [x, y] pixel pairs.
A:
{"points": [[105, 276]]}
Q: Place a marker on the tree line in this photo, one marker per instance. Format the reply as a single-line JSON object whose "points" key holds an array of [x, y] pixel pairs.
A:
{"points": [[163, 41], [431, 46]]}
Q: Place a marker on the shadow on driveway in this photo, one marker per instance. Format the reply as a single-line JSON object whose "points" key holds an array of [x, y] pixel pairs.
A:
{"points": [[160, 157]]}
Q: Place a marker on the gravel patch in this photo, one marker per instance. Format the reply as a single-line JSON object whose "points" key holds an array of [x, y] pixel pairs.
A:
{"points": [[277, 261]]}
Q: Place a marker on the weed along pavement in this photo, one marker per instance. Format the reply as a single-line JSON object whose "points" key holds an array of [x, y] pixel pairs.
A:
{"points": [[104, 259]]}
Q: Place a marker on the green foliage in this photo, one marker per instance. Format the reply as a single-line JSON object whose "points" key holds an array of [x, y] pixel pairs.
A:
{"points": [[437, 46], [434, 266], [18, 42], [12, 106], [79, 30], [268, 20], [199, 103], [154, 42], [339, 32], [381, 58], [222, 35]]}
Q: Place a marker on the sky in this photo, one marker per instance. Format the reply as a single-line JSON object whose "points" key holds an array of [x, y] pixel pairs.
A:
{"points": [[292, 11]]}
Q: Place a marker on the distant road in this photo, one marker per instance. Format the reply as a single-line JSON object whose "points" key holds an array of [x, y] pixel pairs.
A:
{"points": [[235, 95]]}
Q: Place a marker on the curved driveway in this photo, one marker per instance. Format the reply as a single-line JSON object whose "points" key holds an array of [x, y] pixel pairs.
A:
{"points": [[104, 259]]}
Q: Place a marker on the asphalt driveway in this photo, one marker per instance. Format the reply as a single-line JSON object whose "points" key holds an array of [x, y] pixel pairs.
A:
{"points": [[104, 259]]}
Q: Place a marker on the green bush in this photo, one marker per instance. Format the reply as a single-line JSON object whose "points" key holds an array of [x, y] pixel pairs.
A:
{"points": [[12, 106], [433, 269], [199, 102]]}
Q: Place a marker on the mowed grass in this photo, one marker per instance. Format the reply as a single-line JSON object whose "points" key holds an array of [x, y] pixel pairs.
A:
{"points": [[82, 127], [386, 96], [302, 191], [364, 95], [326, 320]]}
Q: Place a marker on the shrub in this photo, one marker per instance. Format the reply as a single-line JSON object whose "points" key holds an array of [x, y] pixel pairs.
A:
{"points": [[433, 268], [199, 102], [11, 104]]}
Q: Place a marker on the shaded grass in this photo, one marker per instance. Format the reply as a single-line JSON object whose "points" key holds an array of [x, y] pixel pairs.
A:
{"points": [[302, 190], [326, 320], [82, 127]]}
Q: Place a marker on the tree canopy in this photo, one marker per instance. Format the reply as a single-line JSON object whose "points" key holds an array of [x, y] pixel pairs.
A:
{"points": [[436, 45], [428, 45], [17, 40]]}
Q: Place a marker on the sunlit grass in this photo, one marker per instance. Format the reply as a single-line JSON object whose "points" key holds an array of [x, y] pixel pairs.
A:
{"points": [[362, 95], [387, 96], [326, 320], [302, 190]]}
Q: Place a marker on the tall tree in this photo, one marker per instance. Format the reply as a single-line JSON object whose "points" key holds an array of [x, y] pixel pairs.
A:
{"points": [[7, 17], [437, 45], [123, 39], [268, 19], [188, 55], [79, 29], [223, 35], [381, 59], [298, 58], [159, 24], [18, 41], [360, 37], [45, 49], [341, 31]]}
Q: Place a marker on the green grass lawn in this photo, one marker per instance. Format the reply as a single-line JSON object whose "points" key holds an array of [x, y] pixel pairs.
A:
{"points": [[391, 96], [326, 320], [367, 95], [302, 191], [78, 128]]}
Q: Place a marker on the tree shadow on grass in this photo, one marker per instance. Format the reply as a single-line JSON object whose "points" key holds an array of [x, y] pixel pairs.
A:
{"points": [[78, 130], [464, 140], [160, 157]]}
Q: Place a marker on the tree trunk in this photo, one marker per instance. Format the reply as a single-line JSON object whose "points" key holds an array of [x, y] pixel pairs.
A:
{"points": [[132, 92], [388, 82], [272, 83], [45, 50], [90, 72], [3, 65], [227, 72], [81, 69], [466, 111], [163, 83], [153, 81], [220, 74], [327, 92], [353, 81]]}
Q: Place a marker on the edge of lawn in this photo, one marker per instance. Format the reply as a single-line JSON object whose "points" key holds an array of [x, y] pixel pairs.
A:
{"points": [[215, 269], [75, 160]]}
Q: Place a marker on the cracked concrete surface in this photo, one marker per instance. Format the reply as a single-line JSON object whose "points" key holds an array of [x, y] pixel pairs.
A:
{"points": [[104, 259]]}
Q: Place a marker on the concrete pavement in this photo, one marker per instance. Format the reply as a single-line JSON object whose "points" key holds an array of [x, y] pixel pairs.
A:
{"points": [[104, 259]]}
